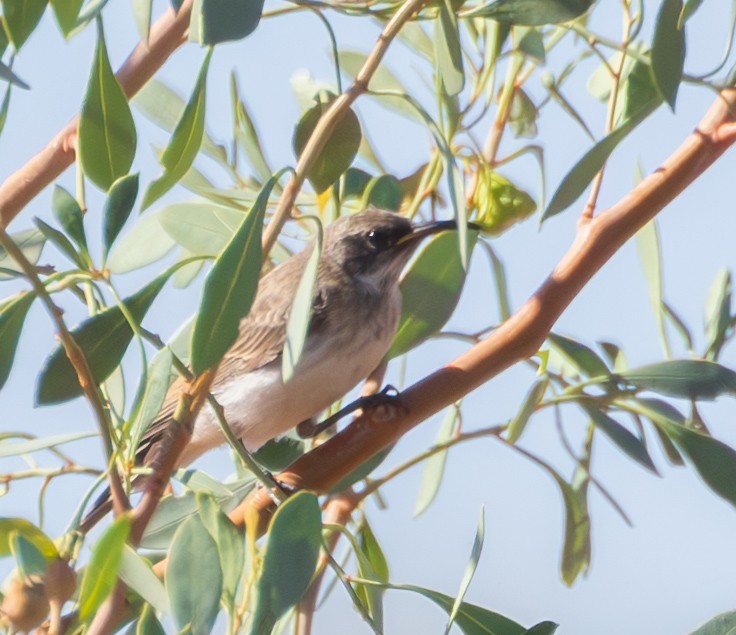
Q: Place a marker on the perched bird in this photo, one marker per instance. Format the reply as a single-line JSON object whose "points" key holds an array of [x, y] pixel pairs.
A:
{"points": [[355, 314]]}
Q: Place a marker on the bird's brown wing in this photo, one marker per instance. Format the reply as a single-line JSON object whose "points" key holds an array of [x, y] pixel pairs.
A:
{"points": [[260, 341]]}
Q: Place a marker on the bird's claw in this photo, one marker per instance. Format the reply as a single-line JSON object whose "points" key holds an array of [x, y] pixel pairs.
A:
{"points": [[388, 400]]}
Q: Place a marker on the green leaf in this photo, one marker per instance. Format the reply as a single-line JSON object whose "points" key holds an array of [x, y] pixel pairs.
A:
{"points": [[384, 192], [185, 141], [21, 18], [230, 288], [193, 577], [723, 624], [543, 628], [107, 137], [518, 424], [229, 541], [583, 172], [147, 624], [469, 570], [300, 314], [11, 526], [158, 380], [101, 573], [164, 107], [118, 206], [448, 52], [292, 549], [470, 618], [145, 243], [718, 314], [103, 338], [688, 378], [430, 290], [61, 242], [29, 558], [12, 316], [434, 466], [142, 16], [628, 443], [66, 12], [339, 149], [532, 12], [714, 460], [9, 76], [647, 240], [69, 215], [277, 453], [582, 357], [139, 576], [30, 242], [668, 50], [202, 228], [372, 565], [228, 20], [16, 448], [246, 134]]}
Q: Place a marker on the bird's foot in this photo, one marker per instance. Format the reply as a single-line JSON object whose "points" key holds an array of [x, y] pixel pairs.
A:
{"points": [[385, 403], [279, 490]]}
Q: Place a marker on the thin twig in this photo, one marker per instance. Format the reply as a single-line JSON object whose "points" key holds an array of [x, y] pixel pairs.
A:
{"points": [[78, 362]]}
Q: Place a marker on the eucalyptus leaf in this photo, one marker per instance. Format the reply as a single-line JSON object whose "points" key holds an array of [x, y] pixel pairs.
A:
{"points": [[715, 461], [12, 526], [103, 338], [139, 576], [201, 227], [144, 244], [532, 12], [230, 288], [20, 18], [582, 357], [227, 20], [12, 316], [9, 76], [723, 624], [101, 572], [688, 378], [339, 149], [430, 290], [107, 136], [289, 561], [30, 242], [118, 206], [668, 50], [650, 255], [66, 12], [27, 446], [300, 315], [185, 141], [142, 10], [469, 570], [448, 52], [69, 215], [718, 314], [193, 577], [29, 558], [61, 242], [518, 424], [434, 466]]}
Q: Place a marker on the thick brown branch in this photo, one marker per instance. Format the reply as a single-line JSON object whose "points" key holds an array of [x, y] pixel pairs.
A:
{"points": [[524, 332], [22, 186]]}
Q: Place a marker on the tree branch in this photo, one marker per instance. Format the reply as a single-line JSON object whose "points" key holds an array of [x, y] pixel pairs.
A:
{"points": [[166, 35], [524, 332]]}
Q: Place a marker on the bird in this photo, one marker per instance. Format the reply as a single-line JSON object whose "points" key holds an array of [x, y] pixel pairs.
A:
{"points": [[354, 316]]}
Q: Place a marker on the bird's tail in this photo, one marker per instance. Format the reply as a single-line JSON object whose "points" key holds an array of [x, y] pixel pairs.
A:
{"points": [[100, 508]]}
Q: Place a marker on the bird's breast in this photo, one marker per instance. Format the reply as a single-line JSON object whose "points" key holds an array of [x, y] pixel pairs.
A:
{"points": [[260, 405]]}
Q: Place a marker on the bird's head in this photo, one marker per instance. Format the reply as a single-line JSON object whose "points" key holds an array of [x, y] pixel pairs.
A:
{"points": [[374, 245]]}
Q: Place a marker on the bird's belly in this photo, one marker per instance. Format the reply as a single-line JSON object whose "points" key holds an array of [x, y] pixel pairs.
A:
{"points": [[259, 406]]}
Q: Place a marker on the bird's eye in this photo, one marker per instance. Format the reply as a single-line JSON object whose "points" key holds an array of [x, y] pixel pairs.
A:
{"points": [[379, 239]]}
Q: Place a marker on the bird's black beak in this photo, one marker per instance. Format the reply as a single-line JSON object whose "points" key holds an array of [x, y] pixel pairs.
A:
{"points": [[422, 231]]}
